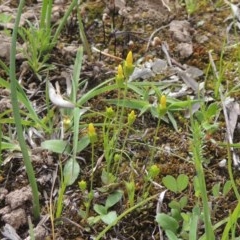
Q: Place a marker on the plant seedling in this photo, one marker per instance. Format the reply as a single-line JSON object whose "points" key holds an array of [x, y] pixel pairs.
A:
{"points": [[102, 210], [176, 185]]}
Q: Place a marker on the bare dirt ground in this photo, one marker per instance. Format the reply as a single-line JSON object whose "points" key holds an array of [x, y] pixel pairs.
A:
{"points": [[188, 40]]}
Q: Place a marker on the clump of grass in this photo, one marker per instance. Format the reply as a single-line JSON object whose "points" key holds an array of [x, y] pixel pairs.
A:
{"points": [[40, 40]]}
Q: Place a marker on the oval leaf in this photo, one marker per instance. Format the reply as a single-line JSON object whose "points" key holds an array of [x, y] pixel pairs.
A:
{"points": [[171, 235], [109, 218], [182, 182], [71, 171], [83, 143], [113, 199], [100, 209], [57, 146], [167, 222], [170, 183]]}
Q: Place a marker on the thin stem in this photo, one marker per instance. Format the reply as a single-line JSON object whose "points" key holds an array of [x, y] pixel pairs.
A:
{"points": [[197, 148], [17, 117], [90, 194]]}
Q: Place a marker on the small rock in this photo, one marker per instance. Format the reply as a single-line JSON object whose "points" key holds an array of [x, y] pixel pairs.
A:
{"points": [[185, 49], [39, 233], [159, 66], [3, 191], [194, 72], [141, 73], [16, 218], [181, 31], [5, 210], [19, 197]]}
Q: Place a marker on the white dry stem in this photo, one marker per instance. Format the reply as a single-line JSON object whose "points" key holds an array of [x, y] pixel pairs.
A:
{"points": [[105, 54], [235, 9], [165, 5], [158, 210], [99, 161], [67, 76], [152, 35], [165, 50], [57, 99]]}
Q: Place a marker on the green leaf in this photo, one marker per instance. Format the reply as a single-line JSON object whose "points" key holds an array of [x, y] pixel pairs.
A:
{"points": [[193, 225], [216, 190], [22, 97], [186, 217], [83, 143], [109, 218], [171, 235], [132, 103], [113, 199], [96, 91], [227, 187], [167, 222], [176, 214], [182, 182], [199, 115], [145, 109], [196, 186], [174, 205], [172, 120], [93, 220], [10, 146], [107, 177], [183, 201], [100, 209], [71, 171], [180, 105], [57, 146], [170, 183], [212, 111]]}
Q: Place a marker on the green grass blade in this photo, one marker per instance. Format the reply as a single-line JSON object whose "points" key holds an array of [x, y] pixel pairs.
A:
{"points": [[17, 117]]}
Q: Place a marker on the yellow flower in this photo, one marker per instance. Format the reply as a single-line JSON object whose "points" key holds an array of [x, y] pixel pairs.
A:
{"points": [[120, 71], [163, 102], [128, 67], [131, 117], [119, 77], [162, 107], [129, 59], [92, 133]]}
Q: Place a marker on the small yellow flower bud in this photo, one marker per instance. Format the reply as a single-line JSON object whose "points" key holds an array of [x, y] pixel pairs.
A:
{"points": [[131, 117], [82, 185], [154, 171], [120, 71], [117, 157], [66, 122], [129, 59], [128, 67], [162, 107], [163, 102], [92, 133], [119, 77], [109, 112]]}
